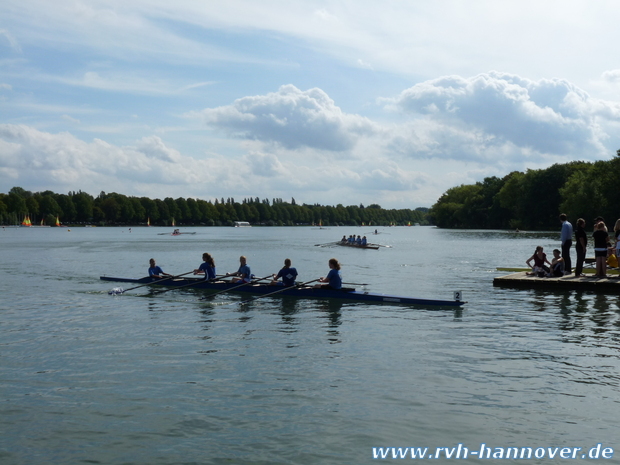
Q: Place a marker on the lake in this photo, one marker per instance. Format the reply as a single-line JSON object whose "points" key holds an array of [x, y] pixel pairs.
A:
{"points": [[87, 377]]}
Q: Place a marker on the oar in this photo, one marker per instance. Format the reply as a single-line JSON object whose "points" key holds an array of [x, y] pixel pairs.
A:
{"points": [[326, 244], [277, 292], [356, 284], [120, 290], [237, 287], [186, 285]]}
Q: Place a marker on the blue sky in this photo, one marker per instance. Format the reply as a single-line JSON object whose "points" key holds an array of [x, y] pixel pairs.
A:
{"points": [[325, 101]]}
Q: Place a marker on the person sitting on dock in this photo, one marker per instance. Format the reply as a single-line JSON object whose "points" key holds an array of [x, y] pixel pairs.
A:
{"points": [[207, 267], [557, 265], [288, 275], [155, 271], [539, 258], [243, 274], [333, 278]]}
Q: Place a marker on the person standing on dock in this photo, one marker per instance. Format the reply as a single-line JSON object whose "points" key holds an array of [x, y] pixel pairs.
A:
{"points": [[601, 244], [581, 242], [566, 238]]}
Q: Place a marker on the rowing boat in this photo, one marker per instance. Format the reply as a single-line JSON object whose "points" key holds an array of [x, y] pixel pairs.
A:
{"points": [[359, 246], [349, 294], [174, 233]]}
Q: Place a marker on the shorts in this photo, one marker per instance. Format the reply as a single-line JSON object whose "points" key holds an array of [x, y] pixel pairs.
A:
{"points": [[600, 253]]}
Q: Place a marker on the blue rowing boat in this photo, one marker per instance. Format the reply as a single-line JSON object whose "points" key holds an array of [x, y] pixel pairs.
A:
{"points": [[304, 292]]}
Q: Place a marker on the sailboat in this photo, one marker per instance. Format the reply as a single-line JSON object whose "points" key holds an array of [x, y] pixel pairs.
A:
{"points": [[27, 222]]}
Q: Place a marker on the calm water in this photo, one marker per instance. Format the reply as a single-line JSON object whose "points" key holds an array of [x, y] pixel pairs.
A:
{"points": [[86, 377]]}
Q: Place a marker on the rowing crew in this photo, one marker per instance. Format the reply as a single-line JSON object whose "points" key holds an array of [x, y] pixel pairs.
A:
{"points": [[352, 240], [244, 275]]}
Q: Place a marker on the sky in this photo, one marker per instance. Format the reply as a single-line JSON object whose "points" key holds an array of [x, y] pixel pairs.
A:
{"points": [[330, 102]]}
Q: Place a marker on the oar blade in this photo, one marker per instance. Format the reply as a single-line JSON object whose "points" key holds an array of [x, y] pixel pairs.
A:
{"points": [[116, 291]]}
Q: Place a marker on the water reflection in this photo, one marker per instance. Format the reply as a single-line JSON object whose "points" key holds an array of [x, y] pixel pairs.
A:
{"points": [[582, 312], [478, 234]]}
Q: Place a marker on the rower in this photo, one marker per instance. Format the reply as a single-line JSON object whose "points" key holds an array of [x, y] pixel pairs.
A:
{"points": [[333, 278], [207, 267], [244, 275], [288, 275], [155, 271]]}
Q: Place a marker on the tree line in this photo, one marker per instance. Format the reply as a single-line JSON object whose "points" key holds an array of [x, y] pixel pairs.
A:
{"points": [[534, 199], [118, 209]]}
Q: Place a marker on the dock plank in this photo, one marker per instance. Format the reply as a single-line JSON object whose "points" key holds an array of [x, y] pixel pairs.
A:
{"points": [[522, 280]]}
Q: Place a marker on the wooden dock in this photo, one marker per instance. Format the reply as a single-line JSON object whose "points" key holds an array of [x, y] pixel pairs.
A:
{"points": [[522, 280]]}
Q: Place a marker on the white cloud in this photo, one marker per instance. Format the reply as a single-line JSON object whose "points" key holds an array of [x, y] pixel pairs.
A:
{"points": [[612, 76], [550, 117], [291, 118], [266, 165], [70, 119]]}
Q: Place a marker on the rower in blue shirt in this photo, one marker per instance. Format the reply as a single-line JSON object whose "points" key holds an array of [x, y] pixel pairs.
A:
{"points": [[243, 274], [333, 278], [207, 267], [155, 271], [288, 275]]}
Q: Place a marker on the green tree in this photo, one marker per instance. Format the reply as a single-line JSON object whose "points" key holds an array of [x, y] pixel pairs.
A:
{"points": [[83, 206]]}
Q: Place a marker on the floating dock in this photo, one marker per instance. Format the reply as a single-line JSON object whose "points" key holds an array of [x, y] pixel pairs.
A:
{"points": [[571, 282]]}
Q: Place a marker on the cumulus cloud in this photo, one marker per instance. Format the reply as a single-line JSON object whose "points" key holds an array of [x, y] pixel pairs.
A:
{"points": [[291, 118], [62, 162], [612, 76], [62, 159], [549, 116], [265, 164], [153, 147]]}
